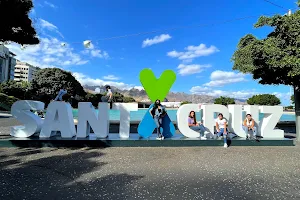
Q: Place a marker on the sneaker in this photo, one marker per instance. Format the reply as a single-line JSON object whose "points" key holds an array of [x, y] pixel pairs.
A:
{"points": [[162, 137], [203, 138], [225, 145], [158, 138]]}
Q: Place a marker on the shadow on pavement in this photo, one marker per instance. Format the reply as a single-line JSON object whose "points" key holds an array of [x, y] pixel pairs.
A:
{"points": [[68, 176]]}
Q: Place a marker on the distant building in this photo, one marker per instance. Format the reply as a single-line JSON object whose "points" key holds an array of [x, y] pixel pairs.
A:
{"points": [[7, 64], [24, 71]]}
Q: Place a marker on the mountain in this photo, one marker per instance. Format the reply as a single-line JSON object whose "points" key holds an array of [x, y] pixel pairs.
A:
{"points": [[140, 95]]}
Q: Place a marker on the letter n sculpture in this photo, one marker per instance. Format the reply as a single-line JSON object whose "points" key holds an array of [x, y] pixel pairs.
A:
{"points": [[156, 89]]}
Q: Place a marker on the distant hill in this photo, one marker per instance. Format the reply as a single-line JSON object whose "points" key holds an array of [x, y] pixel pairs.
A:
{"points": [[140, 95]]}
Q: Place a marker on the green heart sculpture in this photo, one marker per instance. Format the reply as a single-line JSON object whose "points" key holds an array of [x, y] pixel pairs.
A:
{"points": [[157, 88]]}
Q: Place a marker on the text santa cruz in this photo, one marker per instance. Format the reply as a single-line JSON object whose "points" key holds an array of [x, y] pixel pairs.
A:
{"points": [[59, 117]]}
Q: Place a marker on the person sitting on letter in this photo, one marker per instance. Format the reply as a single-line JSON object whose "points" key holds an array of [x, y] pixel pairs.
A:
{"points": [[196, 126], [108, 97], [60, 94], [249, 126], [158, 111], [221, 126]]}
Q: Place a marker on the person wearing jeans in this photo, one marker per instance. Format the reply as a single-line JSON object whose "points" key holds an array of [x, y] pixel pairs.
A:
{"points": [[248, 126], [158, 111], [60, 94], [196, 126], [221, 126]]}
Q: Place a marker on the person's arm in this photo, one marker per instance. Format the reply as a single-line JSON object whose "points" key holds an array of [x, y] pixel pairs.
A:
{"points": [[110, 95], [225, 126], [217, 126], [150, 111], [245, 122], [189, 122], [164, 112], [252, 124]]}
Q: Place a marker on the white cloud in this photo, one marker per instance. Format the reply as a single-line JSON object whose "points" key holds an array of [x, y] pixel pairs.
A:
{"points": [[86, 80], [191, 69], [193, 52], [111, 77], [243, 94], [96, 53], [49, 26], [48, 53], [50, 4], [220, 78], [157, 39]]}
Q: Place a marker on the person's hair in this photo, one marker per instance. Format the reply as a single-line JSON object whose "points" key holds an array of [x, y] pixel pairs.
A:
{"points": [[107, 87], [220, 114], [249, 115], [155, 106], [193, 117]]}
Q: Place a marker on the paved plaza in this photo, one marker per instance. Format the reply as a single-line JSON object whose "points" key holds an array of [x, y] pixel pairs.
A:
{"points": [[151, 173], [148, 173]]}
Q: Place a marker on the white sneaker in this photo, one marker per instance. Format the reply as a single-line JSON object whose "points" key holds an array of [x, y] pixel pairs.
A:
{"points": [[158, 138], [162, 137], [203, 138], [225, 145]]}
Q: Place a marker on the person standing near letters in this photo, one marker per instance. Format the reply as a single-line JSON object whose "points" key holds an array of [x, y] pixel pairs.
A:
{"points": [[158, 111], [109, 96], [221, 126]]}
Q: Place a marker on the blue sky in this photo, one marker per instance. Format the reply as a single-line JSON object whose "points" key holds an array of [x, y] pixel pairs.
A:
{"points": [[199, 55]]}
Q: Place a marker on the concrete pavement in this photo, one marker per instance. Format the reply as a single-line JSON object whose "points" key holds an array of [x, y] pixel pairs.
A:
{"points": [[151, 173]]}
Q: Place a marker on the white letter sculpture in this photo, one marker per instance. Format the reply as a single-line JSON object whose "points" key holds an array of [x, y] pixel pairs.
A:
{"points": [[87, 118], [31, 123], [236, 120], [182, 120], [59, 117], [103, 111], [125, 109], [272, 115], [208, 115]]}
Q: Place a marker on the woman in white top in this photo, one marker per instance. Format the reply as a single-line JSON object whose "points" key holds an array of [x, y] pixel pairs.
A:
{"points": [[221, 126], [249, 126]]}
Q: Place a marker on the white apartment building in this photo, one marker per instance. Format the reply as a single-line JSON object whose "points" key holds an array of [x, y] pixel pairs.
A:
{"points": [[7, 64], [24, 71]]}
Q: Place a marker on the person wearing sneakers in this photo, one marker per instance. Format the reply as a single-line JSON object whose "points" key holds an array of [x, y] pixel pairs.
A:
{"points": [[196, 126], [249, 126], [158, 111], [221, 126]]}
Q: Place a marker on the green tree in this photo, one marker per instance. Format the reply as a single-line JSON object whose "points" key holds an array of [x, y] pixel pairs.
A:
{"points": [[276, 58], [6, 102], [17, 27], [293, 99], [49, 81], [224, 100], [264, 99], [16, 89], [184, 102]]}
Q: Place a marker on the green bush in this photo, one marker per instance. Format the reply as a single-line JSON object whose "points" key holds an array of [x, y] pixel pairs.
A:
{"points": [[6, 101], [184, 102], [264, 99]]}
